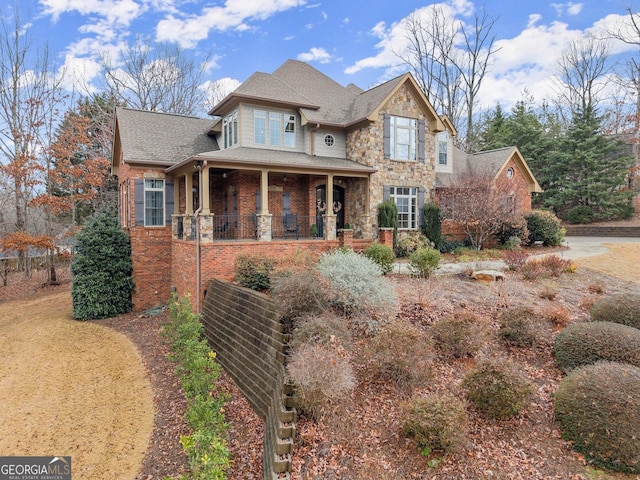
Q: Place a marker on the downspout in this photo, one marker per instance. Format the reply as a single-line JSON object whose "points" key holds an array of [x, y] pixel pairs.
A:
{"points": [[197, 215]]}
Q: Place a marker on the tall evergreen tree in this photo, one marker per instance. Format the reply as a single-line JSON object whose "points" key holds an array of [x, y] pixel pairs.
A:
{"points": [[590, 169]]}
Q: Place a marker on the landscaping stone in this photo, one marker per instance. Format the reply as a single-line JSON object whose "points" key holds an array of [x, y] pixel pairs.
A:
{"points": [[488, 275]]}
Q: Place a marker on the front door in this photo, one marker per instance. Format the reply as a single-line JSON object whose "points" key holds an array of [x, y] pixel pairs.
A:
{"points": [[322, 207]]}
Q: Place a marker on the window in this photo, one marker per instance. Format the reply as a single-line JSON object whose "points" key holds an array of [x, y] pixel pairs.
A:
{"points": [[230, 130], [259, 127], [406, 199], [290, 132], [403, 138], [329, 141], [510, 172], [443, 146], [153, 202], [274, 128]]}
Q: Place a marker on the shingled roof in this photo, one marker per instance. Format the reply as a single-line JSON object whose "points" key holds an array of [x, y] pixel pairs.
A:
{"points": [[160, 138]]}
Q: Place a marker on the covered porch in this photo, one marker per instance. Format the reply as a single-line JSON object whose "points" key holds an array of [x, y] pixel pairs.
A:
{"points": [[218, 198]]}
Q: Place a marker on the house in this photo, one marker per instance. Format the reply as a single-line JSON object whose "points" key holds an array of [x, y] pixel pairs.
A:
{"points": [[289, 160]]}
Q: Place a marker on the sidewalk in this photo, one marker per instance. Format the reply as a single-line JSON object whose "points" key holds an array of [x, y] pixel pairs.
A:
{"points": [[578, 247]]}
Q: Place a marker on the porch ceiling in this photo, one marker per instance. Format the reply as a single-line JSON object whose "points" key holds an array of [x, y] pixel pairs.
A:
{"points": [[244, 158]]}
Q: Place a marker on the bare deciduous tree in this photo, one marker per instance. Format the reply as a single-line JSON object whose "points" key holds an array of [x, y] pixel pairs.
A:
{"points": [[582, 68], [30, 95], [160, 78], [476, 203], [450, 76]]}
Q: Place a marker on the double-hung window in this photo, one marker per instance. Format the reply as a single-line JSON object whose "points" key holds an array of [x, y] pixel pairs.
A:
{"points": [[290, 131], [406, 199], [259, 127], [443, 147], [275, 128], [404, 138], [230, 130], [153, 202]]}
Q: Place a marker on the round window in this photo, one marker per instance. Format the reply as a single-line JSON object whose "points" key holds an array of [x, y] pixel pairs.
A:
{"points": [[510, 172], [329, 140]]}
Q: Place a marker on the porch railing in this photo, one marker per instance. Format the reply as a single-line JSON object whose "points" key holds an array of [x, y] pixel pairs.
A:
{"points": [[245, 227]]}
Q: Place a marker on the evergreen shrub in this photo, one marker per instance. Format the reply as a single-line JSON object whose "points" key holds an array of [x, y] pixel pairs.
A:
{"points": [[518, 327], [459, 334], [254, 271], [598, 409], [585, 343], [409, 242], [432, 223], [424, 261], [497, 388], [580, 214], [356, 285], [544, 227], [621, 308], [101, 270], [437, 421], [381, 254]]}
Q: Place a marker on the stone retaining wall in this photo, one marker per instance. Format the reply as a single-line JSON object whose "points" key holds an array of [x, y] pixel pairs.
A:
{"points": [[601, 231], [243, 328]]}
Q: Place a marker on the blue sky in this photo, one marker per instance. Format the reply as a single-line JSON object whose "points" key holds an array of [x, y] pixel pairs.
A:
{"points": [[352, 41]]}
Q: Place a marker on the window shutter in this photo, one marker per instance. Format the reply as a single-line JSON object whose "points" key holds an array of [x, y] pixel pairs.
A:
{"points": [[421, 196], [386, 192], [139, 201], [386, 132], [421, 153], [168, 196]]}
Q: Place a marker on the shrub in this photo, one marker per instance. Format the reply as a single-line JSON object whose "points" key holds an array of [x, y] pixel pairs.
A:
{"points": [[544, 267], [544, 227], [409, 242], [597, 287], [580, 214], [622, 308], [512, 244], [515, 259], [558, 315], [548, 293], [101, 270], [321, 373], [588, 342], [497, 389], [206, 446], [424, 261], [437, 421], [459, 335], [516, 228], [598, 409], [432, 224], [518, 327], [254, 271], [388, 214], [356, 284], [298, 294], [321, 330], [381, 254], [401, 353]]}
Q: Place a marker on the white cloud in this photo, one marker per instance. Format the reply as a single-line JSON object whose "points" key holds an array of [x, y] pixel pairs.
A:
{"points": [[568, 8], [188, 30], [121, 12], [319, 55]]}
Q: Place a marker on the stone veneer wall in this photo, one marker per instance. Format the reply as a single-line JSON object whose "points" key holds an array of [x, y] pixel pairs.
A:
{"points": [[243, 327], [366, 146]]}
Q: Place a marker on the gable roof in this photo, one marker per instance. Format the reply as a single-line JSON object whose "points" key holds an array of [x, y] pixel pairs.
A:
{"points": [[491, 162], [321, 99], [159, 138]]}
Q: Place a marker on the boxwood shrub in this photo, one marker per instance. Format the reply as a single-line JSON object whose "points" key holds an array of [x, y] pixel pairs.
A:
{"points": [[588, 342], [622, 308], [598, 409]]}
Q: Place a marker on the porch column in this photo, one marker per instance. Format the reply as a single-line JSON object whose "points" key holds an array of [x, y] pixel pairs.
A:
{"points": [[188, 182], [329, 217], [264, 192], [204, 194]]}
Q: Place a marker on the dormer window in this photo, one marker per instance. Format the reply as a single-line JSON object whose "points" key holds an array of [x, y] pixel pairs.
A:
{"points": [[230, 130], [274, 128]]}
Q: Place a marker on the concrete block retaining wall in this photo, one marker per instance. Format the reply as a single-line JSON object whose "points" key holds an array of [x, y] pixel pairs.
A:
{"points": [[243, 328]]}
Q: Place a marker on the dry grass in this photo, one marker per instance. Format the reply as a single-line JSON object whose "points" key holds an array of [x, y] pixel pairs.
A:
{"points": [[622, 261]]}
